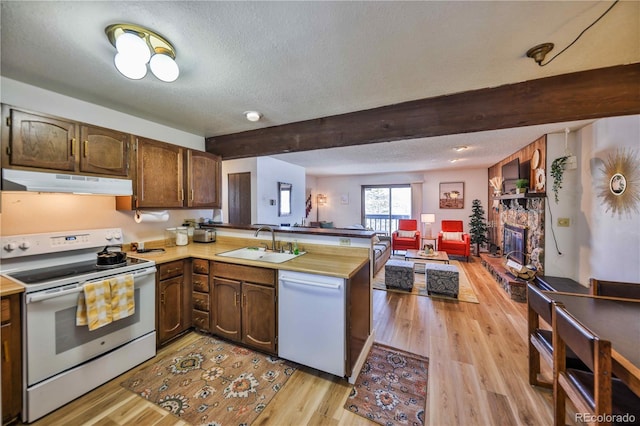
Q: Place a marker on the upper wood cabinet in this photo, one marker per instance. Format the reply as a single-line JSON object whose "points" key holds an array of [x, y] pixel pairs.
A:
{"points": [[47, 143], [171, 176], [104, 151], [203, 179], [160, 174]]}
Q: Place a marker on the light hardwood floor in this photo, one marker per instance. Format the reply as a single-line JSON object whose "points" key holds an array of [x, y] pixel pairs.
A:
{"points": [[477, 369]]}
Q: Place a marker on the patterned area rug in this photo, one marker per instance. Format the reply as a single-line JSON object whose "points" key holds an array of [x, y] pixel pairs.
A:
{"points": [[212, 382], [465, 291], [391, 388]]}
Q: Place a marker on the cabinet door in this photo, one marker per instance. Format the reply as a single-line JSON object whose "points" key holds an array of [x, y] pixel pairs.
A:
{"points": [[226, 308], [160, 168], [42, 142], [104, 151], [170, 308], [11, 358], [259, 317], [203, 179]]}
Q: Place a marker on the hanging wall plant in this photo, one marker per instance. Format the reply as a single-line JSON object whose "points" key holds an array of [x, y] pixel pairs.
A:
{"points": [[557, 173]]}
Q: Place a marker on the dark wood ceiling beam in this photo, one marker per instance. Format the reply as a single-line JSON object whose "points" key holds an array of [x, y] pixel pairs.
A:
{"points": [[604, 92]]}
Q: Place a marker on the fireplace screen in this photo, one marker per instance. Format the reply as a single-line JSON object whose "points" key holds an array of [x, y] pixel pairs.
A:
{"points": [[514, 243]]}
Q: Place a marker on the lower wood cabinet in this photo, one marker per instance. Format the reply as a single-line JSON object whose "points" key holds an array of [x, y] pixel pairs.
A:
{"points": [[201, 295], [244, 305], [11, 358], [173, 300]]}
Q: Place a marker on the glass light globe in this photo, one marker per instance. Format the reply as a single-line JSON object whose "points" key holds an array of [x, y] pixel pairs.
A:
{"points": [[129, 66], [164, 67], [130, 44]]}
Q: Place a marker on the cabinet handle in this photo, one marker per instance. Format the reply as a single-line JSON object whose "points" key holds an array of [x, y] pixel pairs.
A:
{"points": [[7, 353], [86, 148], [182, 195], [73, 147], [236, 299], [162, 298], [192, 195], [244, 300]]}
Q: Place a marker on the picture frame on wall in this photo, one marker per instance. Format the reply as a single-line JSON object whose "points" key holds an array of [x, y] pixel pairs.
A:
{"points": [[451, 195]]}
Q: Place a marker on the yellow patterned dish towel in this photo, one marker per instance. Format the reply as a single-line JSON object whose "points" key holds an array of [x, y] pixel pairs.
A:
{"points": [[94, 305], [122, 300]]}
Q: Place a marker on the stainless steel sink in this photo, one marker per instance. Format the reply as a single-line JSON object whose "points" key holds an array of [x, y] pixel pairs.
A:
{"points": [[260, 254]]}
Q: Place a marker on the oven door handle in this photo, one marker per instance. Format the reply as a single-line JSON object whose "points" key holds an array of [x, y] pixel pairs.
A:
{"points": [[39, 297]]}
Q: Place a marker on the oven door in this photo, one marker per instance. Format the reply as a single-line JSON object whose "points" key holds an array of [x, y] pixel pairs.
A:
{"points": [[53, 341]]}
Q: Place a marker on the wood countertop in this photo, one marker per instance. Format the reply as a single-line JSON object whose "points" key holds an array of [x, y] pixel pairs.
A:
{"points": [[335, 265], [9, 287]]}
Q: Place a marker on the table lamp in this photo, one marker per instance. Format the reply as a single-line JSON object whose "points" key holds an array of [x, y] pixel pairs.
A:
{"points": [[428, 219]]}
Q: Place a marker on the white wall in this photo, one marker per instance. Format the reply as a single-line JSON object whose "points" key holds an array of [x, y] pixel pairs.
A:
{"points": [[613, 249], [475, 186], [266, 172], [270, 172], [476, 182], [561, 249], [597, 244]]}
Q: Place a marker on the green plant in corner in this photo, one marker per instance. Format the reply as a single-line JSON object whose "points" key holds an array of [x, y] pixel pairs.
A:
{"points": [[557, 172], [478, 226]]}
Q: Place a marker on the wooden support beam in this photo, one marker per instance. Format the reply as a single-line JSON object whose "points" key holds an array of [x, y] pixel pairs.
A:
{"points": [[598, 93]]}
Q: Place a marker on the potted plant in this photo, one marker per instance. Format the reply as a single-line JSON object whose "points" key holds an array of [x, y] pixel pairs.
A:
{"points": [[477, 226], [522, 185], [557, 172]]}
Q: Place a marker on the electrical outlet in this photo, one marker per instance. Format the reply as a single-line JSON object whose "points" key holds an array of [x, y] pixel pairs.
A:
{"points": [[345, 241], [564, 221]]}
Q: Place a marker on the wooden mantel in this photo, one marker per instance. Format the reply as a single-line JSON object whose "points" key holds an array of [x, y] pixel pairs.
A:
{"points": [[598, 93]]}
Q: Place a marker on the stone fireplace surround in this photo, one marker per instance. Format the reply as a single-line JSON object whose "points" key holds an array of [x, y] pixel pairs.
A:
{"points": [[530, 215]]}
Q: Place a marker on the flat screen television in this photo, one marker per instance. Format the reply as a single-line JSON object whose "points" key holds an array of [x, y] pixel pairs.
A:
{"points": [[510, 174]]}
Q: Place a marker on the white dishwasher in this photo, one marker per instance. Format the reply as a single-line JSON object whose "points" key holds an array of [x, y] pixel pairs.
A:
{"points": [[311, 321]]}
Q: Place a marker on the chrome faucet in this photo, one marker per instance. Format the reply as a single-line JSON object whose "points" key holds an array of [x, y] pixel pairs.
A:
{"points": [[273, 236]]}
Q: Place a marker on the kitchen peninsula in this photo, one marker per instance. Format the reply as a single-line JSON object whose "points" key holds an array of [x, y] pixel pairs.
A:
{"points": [[210, 284]]}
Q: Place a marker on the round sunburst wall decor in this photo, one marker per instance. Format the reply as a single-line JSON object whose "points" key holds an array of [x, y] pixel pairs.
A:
{"points": [[620, 188]]}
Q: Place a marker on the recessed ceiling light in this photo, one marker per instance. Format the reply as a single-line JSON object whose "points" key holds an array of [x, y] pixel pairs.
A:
{"points": [[454, 160], [460, 148], [252, 115]]}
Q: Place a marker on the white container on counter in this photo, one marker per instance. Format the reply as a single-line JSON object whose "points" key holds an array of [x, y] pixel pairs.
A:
{"points": [[182, 236]]}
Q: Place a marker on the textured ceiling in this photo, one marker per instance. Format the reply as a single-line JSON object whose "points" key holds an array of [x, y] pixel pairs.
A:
{"points": [[295, 61]]}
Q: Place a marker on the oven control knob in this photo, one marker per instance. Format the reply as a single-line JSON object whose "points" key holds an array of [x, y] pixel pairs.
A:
{"points": [[25, 245], [10, 246], [117, 236], [109, 236]]}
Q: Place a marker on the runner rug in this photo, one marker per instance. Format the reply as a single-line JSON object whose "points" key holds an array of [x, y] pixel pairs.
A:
{"points": [[391, 388], [212, 382], [465, 291]]}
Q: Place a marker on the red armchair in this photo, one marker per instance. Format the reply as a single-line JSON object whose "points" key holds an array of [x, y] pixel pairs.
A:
{"points": [[407, 237], [453, 240]]}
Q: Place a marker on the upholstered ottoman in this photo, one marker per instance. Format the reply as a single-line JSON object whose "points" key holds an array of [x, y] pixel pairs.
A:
{"points": [[398, 274], [442, 279]]}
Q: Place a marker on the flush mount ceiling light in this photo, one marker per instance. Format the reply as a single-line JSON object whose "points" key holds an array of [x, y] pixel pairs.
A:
{"points": [[460, 148], [253, 115], [138, 46]]}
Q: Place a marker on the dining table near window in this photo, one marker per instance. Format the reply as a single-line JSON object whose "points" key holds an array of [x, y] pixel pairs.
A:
{"points": [[616, 320]]}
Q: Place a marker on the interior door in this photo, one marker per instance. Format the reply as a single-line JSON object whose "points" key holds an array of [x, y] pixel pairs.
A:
{"points": [[240, 198]]}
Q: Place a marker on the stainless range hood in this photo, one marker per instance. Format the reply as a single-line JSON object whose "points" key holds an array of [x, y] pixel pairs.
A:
{"points": [[23, 180]]}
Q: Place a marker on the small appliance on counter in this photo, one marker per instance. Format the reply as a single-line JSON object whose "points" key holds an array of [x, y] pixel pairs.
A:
{"points": [[202, 235]]}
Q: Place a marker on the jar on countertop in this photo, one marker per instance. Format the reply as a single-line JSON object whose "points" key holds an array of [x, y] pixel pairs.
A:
{"points": [[182, 236]]}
